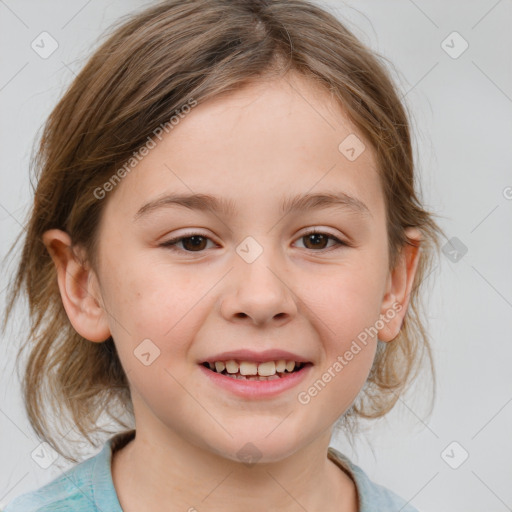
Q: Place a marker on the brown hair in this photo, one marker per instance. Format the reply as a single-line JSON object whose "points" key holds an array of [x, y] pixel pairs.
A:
{"points": [[149, 66]]}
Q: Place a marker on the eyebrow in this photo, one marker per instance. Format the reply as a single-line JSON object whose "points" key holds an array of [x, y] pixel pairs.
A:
{"points": [[305, 202]]}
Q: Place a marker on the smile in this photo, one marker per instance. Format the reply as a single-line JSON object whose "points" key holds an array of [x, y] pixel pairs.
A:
{"points": [[244, 379], [250, 370]]}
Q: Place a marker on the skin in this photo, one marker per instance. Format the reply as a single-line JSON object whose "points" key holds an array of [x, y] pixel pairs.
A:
{"points": [[254, 146]]}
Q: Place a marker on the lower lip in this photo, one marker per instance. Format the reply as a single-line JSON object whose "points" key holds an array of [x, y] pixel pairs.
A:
{"points": [[257, 388]]}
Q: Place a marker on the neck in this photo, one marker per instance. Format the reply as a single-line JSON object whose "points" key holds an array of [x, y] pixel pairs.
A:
{"points": [[167, 473]]}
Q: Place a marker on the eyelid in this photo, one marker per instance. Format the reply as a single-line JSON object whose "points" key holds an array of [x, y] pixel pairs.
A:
{"points": [[172, 242], [321, 231], [340, 242]]}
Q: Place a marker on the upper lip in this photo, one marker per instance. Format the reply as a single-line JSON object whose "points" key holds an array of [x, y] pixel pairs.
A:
{"points": [[259, 357]]}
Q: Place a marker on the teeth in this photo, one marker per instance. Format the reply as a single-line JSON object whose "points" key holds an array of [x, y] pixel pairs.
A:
{"points": [[281, 365], [254, 377], [253, 369], [266, 369], [232, 366], [247, 368]]}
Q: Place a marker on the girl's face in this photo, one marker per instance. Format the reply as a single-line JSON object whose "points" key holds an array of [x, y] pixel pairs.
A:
{"points": [[251, 279]]}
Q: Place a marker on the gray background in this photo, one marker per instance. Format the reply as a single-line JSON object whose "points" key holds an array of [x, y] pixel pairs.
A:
{"points": [[462, 125]]}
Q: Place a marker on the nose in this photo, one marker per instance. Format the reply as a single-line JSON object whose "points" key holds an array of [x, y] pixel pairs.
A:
{"points": [[257, 293]]}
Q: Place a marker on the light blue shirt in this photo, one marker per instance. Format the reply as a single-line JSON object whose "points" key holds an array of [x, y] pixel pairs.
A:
{"points": [[88, 487]]}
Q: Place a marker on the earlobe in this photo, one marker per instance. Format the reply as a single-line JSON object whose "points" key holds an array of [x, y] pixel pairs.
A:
{"points": [[399, 287], [76, 283]]}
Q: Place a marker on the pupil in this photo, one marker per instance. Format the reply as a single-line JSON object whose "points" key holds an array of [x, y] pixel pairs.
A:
{"points": [[314, 236], [196, 241]]}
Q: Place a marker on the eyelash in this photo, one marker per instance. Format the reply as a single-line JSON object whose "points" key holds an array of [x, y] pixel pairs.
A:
{"points": [[172, 243]]}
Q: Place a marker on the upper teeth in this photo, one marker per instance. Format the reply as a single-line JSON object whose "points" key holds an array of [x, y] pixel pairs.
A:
{"points": [[251, 368]]}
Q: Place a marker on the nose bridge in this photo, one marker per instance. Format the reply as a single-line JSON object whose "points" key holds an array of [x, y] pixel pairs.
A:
{"points": [[260, 263], [259, 289]]}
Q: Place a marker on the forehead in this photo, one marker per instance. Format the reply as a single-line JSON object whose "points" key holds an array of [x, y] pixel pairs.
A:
{"points": [[256, 147]]}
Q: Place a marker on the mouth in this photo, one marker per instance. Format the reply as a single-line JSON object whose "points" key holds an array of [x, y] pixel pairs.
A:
{"points": [[252, 371], [253, 380]]}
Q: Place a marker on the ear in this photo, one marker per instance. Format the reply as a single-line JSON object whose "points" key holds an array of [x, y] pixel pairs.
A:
{"points": [[398, 288], [78, 287]]}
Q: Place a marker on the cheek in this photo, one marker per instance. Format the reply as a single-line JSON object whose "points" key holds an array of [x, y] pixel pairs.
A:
{"points": [[345, 312], [348, 299], [158, 306], [346, 307]]}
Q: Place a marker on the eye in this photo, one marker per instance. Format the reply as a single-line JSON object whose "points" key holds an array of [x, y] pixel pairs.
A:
{"points": [[192, 242], [318, 238], [195, 242]]}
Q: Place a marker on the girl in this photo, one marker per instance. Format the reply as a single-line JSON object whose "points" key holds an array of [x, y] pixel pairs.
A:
{"points": [[226, 245]]}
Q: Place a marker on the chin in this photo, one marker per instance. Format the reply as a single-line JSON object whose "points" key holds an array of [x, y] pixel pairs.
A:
{"points": [[252, 449]]}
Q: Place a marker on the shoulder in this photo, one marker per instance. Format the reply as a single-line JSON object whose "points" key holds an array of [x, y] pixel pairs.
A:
{"points": [[75, 489], [373, 497]]}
